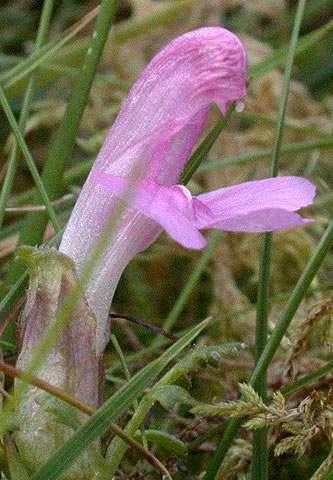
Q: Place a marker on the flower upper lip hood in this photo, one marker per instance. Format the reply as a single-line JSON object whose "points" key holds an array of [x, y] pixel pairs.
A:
{"points": [[165, 111]]}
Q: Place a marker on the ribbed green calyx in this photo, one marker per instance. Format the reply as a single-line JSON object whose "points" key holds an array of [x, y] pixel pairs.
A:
{"points": [[71, 365]]}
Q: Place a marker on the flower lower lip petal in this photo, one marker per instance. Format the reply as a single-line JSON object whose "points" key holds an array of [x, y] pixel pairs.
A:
{"points": [[267, 220]]}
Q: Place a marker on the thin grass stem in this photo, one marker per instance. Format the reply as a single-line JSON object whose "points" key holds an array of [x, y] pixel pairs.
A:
{"points": [[201, 152], [289, 149], [77, 173], [28, 97], [291, 124], [127, 373], [36, 59], [259, 469], [191, 283], [29, 160]]}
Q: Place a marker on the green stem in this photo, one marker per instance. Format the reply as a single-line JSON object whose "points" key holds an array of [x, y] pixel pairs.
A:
{"points": [[260, 447], [290, 149], [324, 472], [294, 387], [36, 59], [117, 448], [205, 146], [62, 147], [125, 31], [123, 362], [13, 159], [286, 87], [282, 325], [291, 124], [258, 70]]}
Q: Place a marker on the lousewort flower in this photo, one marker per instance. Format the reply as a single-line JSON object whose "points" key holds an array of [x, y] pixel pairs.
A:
{"points": [[143, 156], [257, 206]]}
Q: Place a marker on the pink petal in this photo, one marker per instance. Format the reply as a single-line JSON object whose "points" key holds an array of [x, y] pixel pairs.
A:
{"points": [[177, 225], [170, 207], [266, 220], [246, 199]]}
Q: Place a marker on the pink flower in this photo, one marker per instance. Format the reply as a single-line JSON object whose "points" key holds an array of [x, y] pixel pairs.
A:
{"points": [[146, 150], [257, 206]]}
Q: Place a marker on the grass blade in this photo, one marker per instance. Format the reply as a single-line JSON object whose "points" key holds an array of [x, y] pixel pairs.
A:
{"points": [[259, 469], [289, 149], [204, 148], [198, 356], [29, 160], [37, 58], [55, 52], [258, 70], [79, 172], [191, 282], [12, 164]]}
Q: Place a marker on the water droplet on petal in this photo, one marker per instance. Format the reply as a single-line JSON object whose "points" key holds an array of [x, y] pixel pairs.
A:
{"points": [[240, 107]]}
